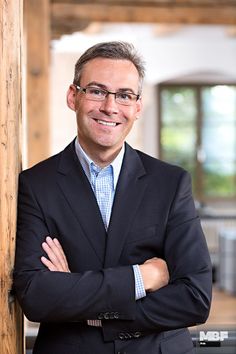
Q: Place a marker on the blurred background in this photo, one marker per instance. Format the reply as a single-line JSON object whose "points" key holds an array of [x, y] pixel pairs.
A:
{"points": [[189, 96]]}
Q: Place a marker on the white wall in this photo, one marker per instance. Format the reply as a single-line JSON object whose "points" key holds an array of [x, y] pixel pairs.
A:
{"points": [[199, 51]]}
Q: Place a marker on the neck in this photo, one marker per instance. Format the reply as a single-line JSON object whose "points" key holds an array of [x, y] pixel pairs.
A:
{"points": [[101, 157]]}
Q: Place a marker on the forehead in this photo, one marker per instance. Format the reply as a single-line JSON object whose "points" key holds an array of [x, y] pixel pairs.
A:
{"points": [[115, 73]]}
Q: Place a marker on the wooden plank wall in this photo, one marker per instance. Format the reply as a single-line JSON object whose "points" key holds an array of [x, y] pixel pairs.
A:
{"points": [[11, 335], [37, 39]]}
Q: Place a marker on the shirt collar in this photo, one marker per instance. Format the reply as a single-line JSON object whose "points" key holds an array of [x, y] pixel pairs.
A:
{"points": [[86, 161]]}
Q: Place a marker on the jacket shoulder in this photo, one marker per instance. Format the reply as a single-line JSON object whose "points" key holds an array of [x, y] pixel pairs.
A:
{"points": [[154, 165], [47, 167]]}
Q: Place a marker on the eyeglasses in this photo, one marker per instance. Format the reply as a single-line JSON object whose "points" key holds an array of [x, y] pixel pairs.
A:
{"points": [[97, 94]]}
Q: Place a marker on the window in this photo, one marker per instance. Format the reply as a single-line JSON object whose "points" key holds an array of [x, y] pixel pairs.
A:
{"points": [[198, 132]]}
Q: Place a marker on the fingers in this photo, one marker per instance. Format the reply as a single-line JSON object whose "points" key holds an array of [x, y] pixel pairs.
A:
{"points": [[48, 264], [57, 260], [155, 274], [161, 266], [151, 260], [60, 250]]}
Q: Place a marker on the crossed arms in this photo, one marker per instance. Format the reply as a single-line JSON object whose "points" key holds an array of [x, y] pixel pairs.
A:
{"points": [[48, 292], [154, 271]]}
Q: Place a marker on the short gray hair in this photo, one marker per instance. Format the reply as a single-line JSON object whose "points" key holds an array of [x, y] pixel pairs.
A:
{"points": [[111, 50]]}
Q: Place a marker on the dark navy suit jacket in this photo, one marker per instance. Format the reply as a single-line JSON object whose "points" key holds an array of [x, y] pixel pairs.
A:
{"points": [[153, 215]]}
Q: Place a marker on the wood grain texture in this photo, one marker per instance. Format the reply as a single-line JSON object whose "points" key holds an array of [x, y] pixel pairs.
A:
{"points": [[10, 117], [68, 16], [37, 31]]}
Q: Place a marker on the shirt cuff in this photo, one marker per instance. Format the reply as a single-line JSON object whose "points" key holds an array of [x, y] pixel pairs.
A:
{"points": [[94, 323], [139, 286]]}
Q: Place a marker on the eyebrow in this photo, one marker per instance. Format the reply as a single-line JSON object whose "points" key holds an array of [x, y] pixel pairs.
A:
{"points": [[98, 84]]}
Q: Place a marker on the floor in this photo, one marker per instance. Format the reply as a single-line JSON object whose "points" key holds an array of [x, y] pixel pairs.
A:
{"points": [[223, 309]]}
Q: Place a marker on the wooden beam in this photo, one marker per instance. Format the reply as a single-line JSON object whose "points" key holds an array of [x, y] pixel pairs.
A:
{"points": [[149, 2], [37, 29], [208, 14], [60, 27], [162, 11], [11, 319]]}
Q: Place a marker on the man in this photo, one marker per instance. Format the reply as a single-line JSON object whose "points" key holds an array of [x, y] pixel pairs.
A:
{"points": [[110, 254]]}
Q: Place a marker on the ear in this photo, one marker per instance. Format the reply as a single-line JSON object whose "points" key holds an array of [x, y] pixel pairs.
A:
{"points": [[71, 97]]}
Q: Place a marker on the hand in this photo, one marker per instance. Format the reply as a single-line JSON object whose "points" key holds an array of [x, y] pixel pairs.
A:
{"points": [[155, 274], [57, 261]]}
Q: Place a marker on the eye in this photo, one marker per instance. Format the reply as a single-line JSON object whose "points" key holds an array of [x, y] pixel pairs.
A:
{"points": [[96, 91], [124, 96]]}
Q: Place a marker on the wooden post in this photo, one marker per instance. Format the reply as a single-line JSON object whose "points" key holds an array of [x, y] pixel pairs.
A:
{"points": [[11, 328], [37, 32]]}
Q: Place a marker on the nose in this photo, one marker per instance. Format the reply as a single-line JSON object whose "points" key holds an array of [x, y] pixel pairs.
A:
{"points": [[109, 105]]}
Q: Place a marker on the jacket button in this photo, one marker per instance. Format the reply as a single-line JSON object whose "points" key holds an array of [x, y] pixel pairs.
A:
{"points": [[128, 335], [122, 335], [137, 334], [116, 315], [112, 315], [106, 315]]}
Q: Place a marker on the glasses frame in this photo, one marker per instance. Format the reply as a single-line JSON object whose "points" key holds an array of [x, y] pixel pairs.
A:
{"points": [[84, 89]]}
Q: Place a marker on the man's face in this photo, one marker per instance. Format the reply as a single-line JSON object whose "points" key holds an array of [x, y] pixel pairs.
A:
{"points": [[95, 119]]}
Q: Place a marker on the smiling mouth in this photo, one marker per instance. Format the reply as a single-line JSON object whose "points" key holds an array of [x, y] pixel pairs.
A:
{"points": [[109, 124]]}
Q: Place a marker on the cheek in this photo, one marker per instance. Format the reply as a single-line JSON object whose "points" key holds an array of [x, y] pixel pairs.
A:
{"points": [[79, 107], [82, 111], [88, 107], [131, 118], [128, 126]]}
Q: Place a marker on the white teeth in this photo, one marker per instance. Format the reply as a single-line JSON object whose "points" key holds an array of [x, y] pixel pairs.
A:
{"points": [[110, 124]]}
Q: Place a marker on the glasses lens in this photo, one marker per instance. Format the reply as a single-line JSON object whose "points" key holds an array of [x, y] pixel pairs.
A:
{"points": [[125, 98], [96, 94]]}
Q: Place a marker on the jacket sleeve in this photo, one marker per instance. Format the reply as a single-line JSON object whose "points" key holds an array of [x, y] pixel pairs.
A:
{"points": [[57, 296], [185, 301]]}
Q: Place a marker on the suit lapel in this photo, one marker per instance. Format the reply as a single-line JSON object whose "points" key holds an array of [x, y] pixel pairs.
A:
{"points": [[129, 193], [80, 197]]}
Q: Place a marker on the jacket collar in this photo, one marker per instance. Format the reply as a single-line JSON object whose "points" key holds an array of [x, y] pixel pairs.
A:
{"points": [[81, 199]]}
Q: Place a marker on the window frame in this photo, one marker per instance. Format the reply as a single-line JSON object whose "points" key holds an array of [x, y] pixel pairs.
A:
{"points": [[199, 121]]}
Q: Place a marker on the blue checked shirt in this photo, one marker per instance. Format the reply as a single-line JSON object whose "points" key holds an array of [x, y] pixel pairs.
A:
{"points": [[103, 182]]}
